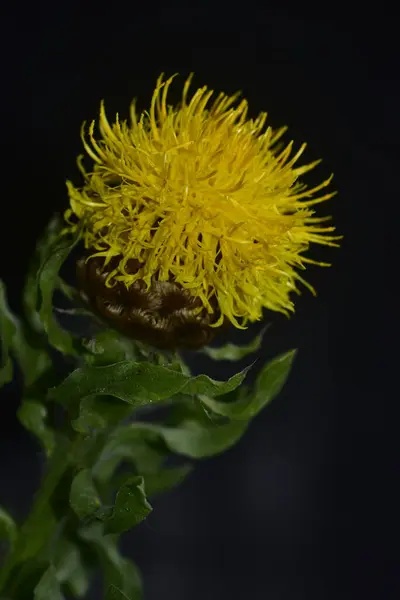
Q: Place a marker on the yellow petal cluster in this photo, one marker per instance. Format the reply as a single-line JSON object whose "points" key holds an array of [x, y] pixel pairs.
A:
{"points": [[204, 195]]}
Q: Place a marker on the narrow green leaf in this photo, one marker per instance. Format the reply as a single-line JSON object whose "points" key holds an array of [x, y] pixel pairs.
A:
{"points": [[33, 361], [69, 567], [7, 330], [114, 593], [189, 439], [247, 404], [48, 279], [98, 413], [84, 499], [131, 507], [139, 452], [165, 479], [118, 571], [67, 290], [48, 587], [109, 347], [233, 352], [31, 289], [33, 415], [8, 528], [138, 383], [195, 441]]}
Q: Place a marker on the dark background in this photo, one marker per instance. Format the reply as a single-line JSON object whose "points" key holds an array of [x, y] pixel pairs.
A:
{"points": [[305, 506]]}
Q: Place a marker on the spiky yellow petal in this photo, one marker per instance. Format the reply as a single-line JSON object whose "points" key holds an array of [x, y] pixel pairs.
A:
{"points": [[201, 194]]}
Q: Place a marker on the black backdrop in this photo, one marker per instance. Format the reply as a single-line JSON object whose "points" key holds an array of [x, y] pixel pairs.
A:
{"points": [[304, 507]]}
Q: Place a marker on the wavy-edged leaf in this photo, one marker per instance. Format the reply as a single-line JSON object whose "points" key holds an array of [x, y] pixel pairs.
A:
{"points": [[69, 566], [233, 352], [189, 439], [48, 280], [8, 528], [248, 404], [165, 479], [138, 383], [31, 288], [7, 330], [98, 413], [118, 571], [32, 360], [33, 415], [84, 499], [195, 441], [48, 587], [114, 593], [131, 507], [108, 347], [145, 457]]}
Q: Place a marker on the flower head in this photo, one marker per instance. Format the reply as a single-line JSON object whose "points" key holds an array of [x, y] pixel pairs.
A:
{"points": [[203, 196]]}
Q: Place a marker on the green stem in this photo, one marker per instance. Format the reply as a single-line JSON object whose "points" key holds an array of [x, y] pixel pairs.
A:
{"points": [[39, 527]]}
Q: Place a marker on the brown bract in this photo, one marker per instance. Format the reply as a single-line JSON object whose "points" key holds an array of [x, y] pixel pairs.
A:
{"points": [[165, 316]]}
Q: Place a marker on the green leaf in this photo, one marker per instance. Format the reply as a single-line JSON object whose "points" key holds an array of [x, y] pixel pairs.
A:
{"points": [[114, 593], [165, 479], [118, 571], [146, 458], [233, 352], [33, 415], [31, 289], [7, 330], [189, 439], [67, 290], [33, 361], [138, 383], [8, 528], [193, 440], [98, 413], [69, 567], [48, 587], [131, 507], [108, 347], [84, 499], [48, 279], [268, 384]]}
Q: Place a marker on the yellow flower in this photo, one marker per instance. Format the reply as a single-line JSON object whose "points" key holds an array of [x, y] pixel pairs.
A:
{"points": [[202, 195]]}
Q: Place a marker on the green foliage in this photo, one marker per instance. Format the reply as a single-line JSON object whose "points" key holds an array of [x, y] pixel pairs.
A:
{"points": [[8, 528], [31, 290], [118, 572], [57, 253], [107, 347], [233, 352], [70, 568], [48, 587], [33, 416], [104, 460], [165, 479], [137, 383], [114, 593], [247, 404], [7, 330], [32, 360], [83, 498], [130, 508]]}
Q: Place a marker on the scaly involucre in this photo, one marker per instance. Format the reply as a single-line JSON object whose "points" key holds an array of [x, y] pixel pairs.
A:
{"points": [[204, 196]]}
